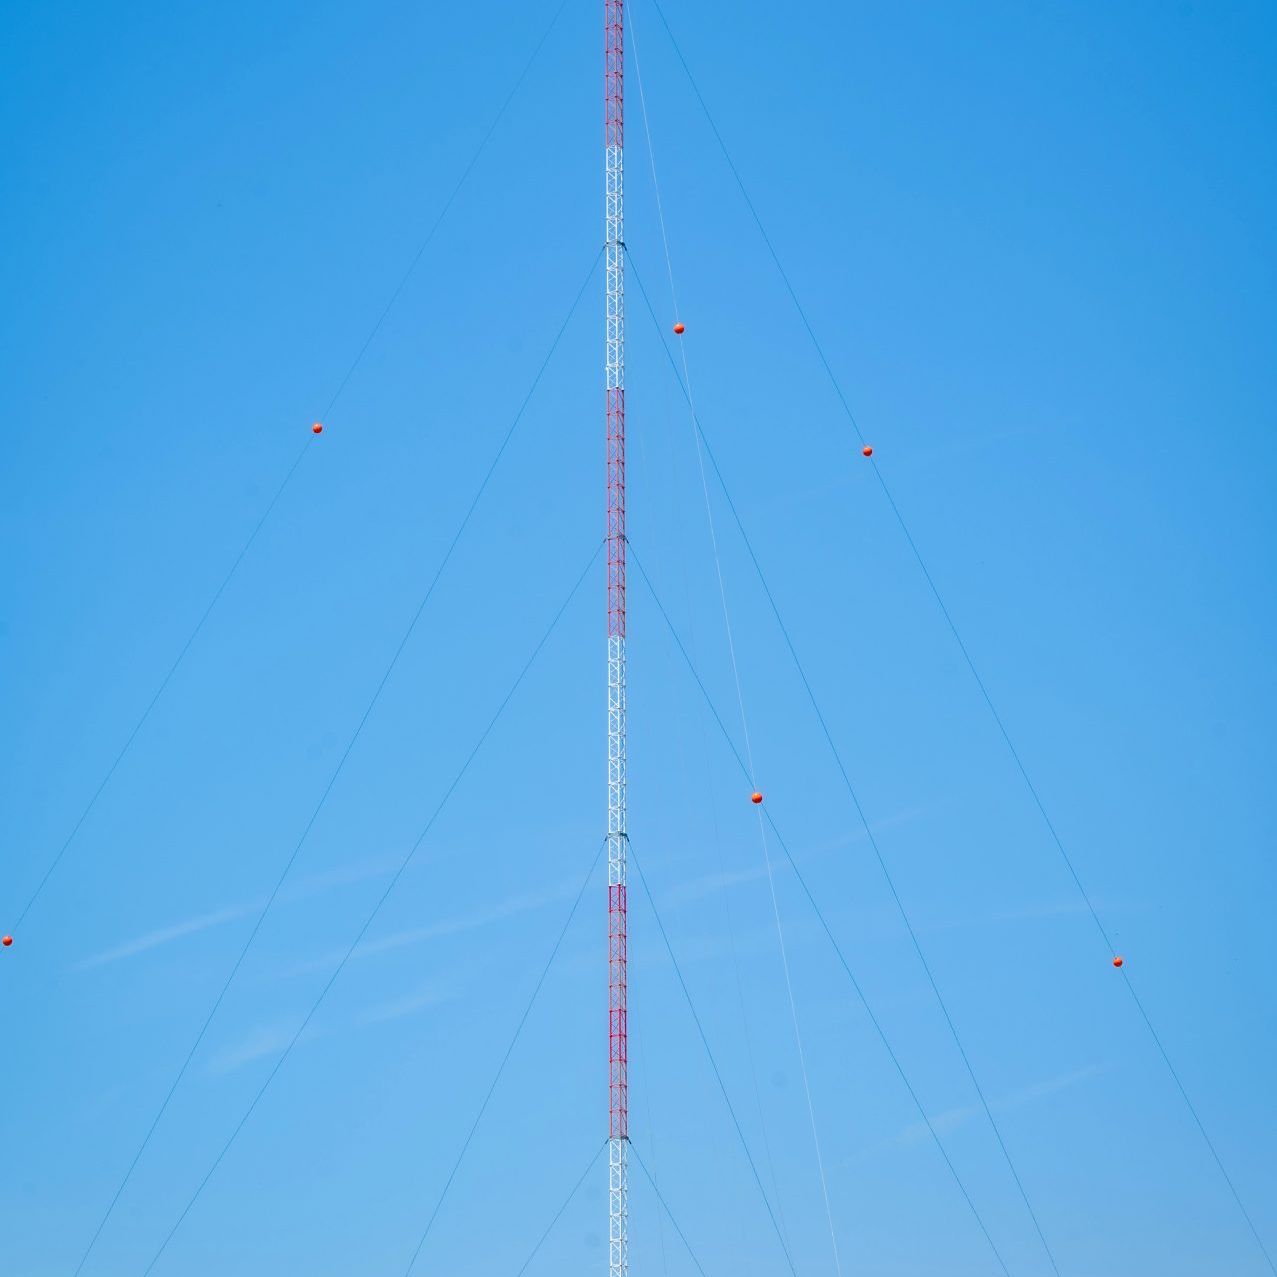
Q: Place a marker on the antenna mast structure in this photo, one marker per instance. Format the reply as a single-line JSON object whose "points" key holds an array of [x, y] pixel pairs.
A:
{"points": [[618, 1080]]}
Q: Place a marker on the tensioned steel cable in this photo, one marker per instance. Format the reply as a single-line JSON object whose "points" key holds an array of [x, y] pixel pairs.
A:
{"points": [[731, 930], [871, 836], [969, 661], [292, 470], [371, 917], [855, 983], [474, 159], [740, 696], [159, 691], [505, 1059], [665, 1206], [333, 776], [869, 833], [558, 1214], [713, 1063], [643, 1100]]}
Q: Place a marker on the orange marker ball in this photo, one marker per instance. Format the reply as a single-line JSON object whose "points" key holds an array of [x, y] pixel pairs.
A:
{"points": [[755, 798], [317, 429], [867, 451], [679, 329], [1118, 960], [6, 941]]}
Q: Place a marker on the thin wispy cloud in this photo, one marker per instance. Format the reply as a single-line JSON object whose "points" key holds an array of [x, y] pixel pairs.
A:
{"points": [[303, 888], [1033, 912], [459, 924], [273, 1039], [711, 884], [399, 1008], [1053, 909], [261, 1042], [167, 935], [474, 921], [341, 876], [952, 1119], [856, 831]]}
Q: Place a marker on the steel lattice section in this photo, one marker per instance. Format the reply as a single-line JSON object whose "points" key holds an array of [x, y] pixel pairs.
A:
{"points": [[618, 1192], [618, 1026]]}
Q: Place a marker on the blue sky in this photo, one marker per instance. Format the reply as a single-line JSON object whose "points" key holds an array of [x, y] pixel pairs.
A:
{"points": [[1036, 241]]}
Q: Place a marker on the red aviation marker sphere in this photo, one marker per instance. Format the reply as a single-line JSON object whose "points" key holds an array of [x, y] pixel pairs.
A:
{"points": [[6, 941], [679, 329], [755, 798], [317, 429], [1118, 960], [867, 451]]}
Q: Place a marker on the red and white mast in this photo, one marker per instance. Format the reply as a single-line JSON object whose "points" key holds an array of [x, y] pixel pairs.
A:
{"points": [[618, 1080]]}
